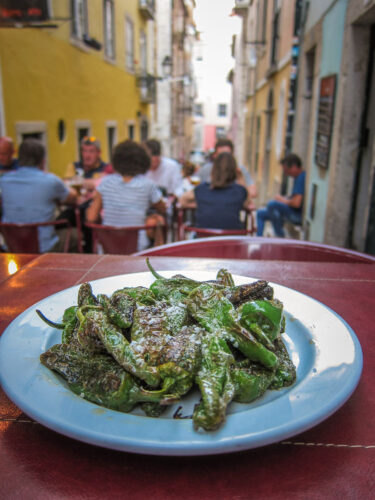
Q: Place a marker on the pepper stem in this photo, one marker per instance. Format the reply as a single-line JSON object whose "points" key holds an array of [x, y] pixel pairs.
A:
{"points": [[152, 270], [59, 326]]}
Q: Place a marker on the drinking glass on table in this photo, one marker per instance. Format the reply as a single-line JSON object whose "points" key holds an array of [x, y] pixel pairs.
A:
{"points": [[195, 180], [76, 183]]}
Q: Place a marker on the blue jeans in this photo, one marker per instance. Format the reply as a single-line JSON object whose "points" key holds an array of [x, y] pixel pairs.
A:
{"points": [[276, 212]]}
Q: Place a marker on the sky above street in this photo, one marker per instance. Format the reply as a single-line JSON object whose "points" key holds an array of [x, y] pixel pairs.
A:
{"points": [[217, 26]]}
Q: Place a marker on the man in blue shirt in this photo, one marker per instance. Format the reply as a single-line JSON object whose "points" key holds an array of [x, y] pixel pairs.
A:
{"points": [[7, 161], [31, 195], [285, 207]]}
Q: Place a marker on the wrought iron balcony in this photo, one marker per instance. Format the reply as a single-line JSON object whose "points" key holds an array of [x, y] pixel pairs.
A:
{"points": [[241, 6], [147, 87], [147, 9]]}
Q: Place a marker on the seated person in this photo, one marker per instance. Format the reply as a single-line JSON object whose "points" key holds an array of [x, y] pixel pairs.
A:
{"points": [[91, 167], [189, 177], [29, 194], [165, 172], [7, 160], [220, 202], [125, 197], [86, 174], [285, 207], [225, 145]]}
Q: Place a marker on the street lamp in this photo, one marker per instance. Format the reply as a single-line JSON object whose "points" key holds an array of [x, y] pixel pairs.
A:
{"points": [[167, 66]]}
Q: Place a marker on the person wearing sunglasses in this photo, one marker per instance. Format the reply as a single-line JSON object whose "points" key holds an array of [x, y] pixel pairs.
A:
{"points": [[84, 175]]}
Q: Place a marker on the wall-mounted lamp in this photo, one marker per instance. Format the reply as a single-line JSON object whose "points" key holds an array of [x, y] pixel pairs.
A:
{"points": [[167, 66]]}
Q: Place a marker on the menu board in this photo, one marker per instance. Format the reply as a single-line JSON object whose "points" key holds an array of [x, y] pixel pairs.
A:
{"points": [[326, 110]]}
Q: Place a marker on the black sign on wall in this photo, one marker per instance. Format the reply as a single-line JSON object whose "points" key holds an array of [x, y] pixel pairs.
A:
{"points": [[13, 11], [326, 109]]}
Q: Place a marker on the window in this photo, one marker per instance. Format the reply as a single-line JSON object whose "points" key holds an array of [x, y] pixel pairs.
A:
{"points": [[280, 119], [275, 31], [111, 138], [143, 51], [220, 132], [32, 135], [83, 129], [79, 18], [81, 133], [310, 68], [264, 21], [257, 142], [109, 29], [222, 111], [32, 130], [131, 131], [198, 109], [129, 44], [144, 130]]}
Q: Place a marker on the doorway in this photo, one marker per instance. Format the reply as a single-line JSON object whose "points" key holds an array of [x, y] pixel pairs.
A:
{"points": [[363, 230]]}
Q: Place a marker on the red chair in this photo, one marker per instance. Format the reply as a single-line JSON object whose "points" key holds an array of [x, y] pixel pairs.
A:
{"points": [[254, 247], [250, 219], [79, 230], [184, 226], [23, 238], [117, 240]]}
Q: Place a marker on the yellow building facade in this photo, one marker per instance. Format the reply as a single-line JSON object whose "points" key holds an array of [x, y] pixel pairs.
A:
{"points": [[59, 88], [268, 31]]}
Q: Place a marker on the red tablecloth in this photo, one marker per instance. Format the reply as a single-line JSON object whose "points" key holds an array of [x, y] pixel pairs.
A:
{"points": [[335, 459]]}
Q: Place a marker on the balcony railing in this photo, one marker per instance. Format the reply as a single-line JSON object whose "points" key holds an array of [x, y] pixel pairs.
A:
{"points": [[147, 87], [241, 6], [147, 9]]}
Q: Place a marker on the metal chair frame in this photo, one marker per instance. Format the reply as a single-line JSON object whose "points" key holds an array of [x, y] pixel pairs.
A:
{"points": [[184, 227]]}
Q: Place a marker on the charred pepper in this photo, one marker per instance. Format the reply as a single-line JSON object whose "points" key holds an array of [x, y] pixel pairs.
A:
{"points": [[98, 378]]}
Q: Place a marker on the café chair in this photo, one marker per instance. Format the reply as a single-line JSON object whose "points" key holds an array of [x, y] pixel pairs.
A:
{"points": [[250, 219], [184, 225], [201, 232], [79, 230], [261, 248], [117, 240], [23, 238]]}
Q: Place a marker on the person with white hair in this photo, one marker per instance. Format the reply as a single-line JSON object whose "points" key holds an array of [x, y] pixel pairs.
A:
{"points": [[30, 194]]}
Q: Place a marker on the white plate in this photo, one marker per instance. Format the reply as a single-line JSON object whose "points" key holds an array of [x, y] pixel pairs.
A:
{"points": [[324, 349]]}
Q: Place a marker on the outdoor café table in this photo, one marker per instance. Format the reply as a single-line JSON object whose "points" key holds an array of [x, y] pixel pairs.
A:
{"points": [[334, 459]]}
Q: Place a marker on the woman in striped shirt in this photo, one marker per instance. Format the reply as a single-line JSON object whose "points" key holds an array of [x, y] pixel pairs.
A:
{"points": [[125, 197]]}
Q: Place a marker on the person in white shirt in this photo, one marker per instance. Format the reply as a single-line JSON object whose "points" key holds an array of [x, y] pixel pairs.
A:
{"points": [[165, 172]]}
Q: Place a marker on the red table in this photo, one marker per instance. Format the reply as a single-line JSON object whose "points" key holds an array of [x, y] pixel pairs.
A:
{"points": [[335, 459]]}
